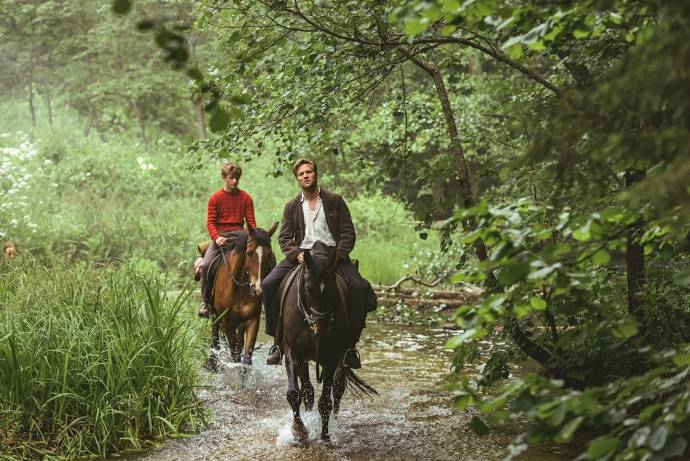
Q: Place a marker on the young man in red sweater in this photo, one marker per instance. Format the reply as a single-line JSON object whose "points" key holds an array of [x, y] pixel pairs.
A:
{"points": [[228, 210]]}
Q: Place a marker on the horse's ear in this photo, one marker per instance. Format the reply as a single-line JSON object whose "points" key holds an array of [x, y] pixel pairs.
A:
{"points": [[273, 228], [251, 230]]}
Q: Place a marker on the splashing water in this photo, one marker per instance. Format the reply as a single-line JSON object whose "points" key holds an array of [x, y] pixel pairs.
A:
{"points": [[411, 419]]}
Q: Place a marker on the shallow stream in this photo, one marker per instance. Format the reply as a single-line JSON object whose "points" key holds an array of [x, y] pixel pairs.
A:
{"points": [[412, 418]]}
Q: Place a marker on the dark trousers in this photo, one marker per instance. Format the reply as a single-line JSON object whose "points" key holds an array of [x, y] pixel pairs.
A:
{"points": [[361, 297], [211, 253]]}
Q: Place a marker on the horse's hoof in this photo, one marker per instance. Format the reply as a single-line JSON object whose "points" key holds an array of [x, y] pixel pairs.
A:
{"points": [[211, 365], [247, 361], [325, 437], [299, 433]]}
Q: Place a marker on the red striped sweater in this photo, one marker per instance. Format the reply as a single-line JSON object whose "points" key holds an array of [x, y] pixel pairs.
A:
{"points": [[228, 212]]}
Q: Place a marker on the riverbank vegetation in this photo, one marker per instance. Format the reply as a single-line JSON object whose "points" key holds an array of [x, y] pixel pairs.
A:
{"points": [[93, 360], [536, 150]]}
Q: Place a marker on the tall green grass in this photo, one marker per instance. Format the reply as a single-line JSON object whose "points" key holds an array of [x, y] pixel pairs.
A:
{"points": [[92, 361]]}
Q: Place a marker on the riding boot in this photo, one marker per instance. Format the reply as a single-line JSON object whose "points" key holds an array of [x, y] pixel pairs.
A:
{"points": [[205, 306], [274, 356]]}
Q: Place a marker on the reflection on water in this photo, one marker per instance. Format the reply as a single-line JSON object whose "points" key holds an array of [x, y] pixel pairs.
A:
{"points": [[411, 419]]}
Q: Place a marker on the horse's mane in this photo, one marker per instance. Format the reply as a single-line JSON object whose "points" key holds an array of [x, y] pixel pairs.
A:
{"points": [[260, 235]]}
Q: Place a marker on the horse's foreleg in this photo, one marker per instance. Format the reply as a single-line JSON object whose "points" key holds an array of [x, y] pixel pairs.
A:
{"points": [[307, 387], [325, 402], [212, 361], [252, 329], [231, 338], [294, 398]]}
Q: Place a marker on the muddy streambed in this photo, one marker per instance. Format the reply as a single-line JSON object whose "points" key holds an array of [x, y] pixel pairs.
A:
{"points": [[411, 419]]}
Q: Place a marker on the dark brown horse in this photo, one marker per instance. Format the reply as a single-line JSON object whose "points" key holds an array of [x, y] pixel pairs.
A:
{"points": [[312, 316], [237, 296]]}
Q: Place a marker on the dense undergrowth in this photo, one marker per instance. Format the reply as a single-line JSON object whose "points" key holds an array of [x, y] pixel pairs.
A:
{"points": [[67, 197], [93, 360]]}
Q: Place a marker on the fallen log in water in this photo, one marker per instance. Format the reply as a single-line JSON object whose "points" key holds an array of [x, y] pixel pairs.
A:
{"points": [[426, 297], [423, 303]]}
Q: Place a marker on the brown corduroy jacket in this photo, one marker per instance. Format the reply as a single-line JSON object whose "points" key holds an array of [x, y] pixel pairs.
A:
{"points": [[338, 220]]}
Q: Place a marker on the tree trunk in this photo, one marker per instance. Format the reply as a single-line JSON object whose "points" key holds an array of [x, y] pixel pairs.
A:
{"points": [[201, 119], [634, 257], [31, 96], [90, 122], [142, 125], [49, 106], [518, 335]]}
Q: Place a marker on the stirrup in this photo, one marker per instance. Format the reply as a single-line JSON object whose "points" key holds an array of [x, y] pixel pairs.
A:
{"points": [[275, 356], [351, 358], [204, 310]]}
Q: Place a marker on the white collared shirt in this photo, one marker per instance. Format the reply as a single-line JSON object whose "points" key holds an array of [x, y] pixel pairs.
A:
{"points": [[315, 225]]}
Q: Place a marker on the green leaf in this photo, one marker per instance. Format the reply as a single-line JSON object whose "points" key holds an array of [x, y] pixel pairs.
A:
{"points": [[569, 429], [478, 426], [513, 272], [581, 33], [537, 46], [639, 438], [543, 272], [625, 328], [515, 51], [522, 311], [463, 401], [472, 333], [538, 303], [122, 6], [450, 6], [682, 359], [675, 447], [414, 27], [219, 120], [657, 440], [583, 233], [602, 446], [601, 257]]}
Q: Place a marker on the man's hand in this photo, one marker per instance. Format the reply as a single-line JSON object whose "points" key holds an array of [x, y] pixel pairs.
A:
{"points": [[220, 241], [300, 258]]}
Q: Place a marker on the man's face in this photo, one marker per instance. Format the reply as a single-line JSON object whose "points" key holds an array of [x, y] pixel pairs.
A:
{"points": [[231, 182], [306, 176]]}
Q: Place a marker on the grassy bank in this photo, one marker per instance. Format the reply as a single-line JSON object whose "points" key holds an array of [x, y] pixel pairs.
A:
{"points": [[92, 361]]}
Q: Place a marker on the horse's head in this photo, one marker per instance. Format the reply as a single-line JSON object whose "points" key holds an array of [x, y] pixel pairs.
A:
{"points": [[259, 256], [318, 277]]}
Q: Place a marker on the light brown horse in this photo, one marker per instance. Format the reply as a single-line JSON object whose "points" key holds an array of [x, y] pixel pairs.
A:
{"points": [[237, 296]]}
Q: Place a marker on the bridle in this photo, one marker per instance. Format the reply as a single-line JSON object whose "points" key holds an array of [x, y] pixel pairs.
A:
{"points": [[246, 271], [310, 314]]}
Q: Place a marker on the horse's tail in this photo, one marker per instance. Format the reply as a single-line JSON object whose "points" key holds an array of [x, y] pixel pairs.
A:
{"points": [[357, 385]]}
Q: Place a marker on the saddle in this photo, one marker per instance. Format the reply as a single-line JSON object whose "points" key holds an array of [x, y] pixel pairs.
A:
{"points": [[215, 264], [295, 276]]}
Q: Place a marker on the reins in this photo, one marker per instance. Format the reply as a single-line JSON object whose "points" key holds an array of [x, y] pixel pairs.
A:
{"points": [[238, 284], [311, 315]]}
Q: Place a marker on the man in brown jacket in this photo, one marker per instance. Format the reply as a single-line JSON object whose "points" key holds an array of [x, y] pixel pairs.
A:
{"points": [[316, 215]]}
